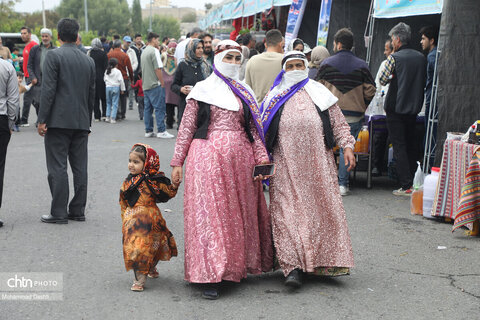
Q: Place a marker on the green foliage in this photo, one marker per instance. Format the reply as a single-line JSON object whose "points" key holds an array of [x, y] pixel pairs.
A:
{"points": [[104, 16], [10, 21], [35, 19], [208, 6], [189, 17], [164, 26], [136, 16], [87, 37]]}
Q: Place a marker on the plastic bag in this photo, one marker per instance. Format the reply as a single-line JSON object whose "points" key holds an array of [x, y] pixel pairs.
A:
{"points": [[419, 177]]}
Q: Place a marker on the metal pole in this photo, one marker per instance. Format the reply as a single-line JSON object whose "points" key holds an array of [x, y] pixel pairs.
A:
{"points": [[150, 19], [43, 14], [86, 15]]}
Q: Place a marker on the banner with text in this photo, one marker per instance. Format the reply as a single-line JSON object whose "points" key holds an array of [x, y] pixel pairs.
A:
{"points": [[405, 8], [294, 20]]}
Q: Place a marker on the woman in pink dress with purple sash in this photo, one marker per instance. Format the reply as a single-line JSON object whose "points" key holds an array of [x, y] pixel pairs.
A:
{"points": [[226, 221], [301, 123]]}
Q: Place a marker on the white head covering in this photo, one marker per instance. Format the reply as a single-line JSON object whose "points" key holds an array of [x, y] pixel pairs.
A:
{"points": [[321, 96], [214, 90]]}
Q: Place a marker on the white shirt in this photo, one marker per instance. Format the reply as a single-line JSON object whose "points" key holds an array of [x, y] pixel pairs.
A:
{"points": [[180, 50], [133, 58], [114, 79]]}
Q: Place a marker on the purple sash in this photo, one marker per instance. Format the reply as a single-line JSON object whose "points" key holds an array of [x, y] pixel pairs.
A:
{"points": [[269, 110], [247, 97]]}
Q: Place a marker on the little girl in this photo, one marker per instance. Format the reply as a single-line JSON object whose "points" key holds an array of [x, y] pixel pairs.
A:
{"points": [[146, 238], [113, 84]]}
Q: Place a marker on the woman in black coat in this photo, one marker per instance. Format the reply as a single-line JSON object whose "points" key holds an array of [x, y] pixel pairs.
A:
{"points": [[189, 71], [101, 62]]}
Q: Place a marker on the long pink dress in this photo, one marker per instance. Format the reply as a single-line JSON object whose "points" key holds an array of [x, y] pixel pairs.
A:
{"points": [[226, 221], [309, 225]]}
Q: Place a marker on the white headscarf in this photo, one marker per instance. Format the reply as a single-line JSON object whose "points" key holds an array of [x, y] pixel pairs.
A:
{"points": [[214, 90], [321, 96]]}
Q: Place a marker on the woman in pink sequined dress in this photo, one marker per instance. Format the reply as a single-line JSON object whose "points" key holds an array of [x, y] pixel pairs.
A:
{"points": [[226, 221], [302, 122]]}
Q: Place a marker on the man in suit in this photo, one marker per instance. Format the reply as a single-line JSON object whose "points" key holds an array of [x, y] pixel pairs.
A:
{"points": [[64, 119]]}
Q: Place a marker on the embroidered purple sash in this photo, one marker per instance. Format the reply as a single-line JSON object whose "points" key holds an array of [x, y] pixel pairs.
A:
{"points": [[269, 108], [247, 97]]}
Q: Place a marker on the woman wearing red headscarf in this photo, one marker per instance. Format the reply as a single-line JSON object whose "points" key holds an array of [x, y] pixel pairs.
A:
{"points": [[146, 238]]}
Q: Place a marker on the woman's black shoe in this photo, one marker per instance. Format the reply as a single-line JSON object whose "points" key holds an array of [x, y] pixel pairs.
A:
{"points": [[210, 293], [1, 223], [294, 279]]}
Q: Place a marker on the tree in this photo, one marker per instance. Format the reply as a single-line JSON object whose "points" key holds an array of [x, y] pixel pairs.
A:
{"points": [[208, 6], [136, 16], [164, 26], [104, 16], [10, 21], [189, 17], [35, 19]]}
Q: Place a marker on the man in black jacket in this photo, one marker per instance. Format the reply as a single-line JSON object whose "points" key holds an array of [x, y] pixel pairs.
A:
{"points": [[405, 70], [35, 64], [64, 119]]}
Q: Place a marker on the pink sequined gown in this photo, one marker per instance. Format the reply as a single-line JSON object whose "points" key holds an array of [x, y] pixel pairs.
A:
{"points": [[226, 221], [309, 224]]}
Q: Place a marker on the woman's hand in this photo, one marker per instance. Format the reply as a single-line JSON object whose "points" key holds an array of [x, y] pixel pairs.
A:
{"points": [[261, 177], [185, 90], [349, 158], [177, 174]]}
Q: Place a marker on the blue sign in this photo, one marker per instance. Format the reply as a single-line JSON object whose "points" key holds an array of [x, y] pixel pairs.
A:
{"points": [[405, 8], [323, 22], [295, 16]]}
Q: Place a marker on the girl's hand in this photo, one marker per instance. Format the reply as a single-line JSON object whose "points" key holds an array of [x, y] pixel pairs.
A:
{"points": [[349, 158], [177, 174]]}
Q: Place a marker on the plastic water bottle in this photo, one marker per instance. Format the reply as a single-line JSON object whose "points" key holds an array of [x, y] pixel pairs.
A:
{"points": [[416, 201], [429, 188]]}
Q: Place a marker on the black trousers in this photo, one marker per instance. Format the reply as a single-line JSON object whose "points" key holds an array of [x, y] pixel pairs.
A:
{"points": [[100, 97], [122, 108], [60, 145], [170, 118], [380, 150], [4, 140], [30, 97], [403, 135]]}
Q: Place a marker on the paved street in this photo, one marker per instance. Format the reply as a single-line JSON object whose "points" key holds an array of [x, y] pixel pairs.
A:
{"points": [[400, 273]]}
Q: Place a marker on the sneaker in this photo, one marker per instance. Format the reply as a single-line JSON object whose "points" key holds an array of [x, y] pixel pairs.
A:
{"points": [[97, 120], [344, 190], [24, 125], [403, 192], [149, 134], [104, 118], [107, 119], [165, 135], [113, 121]]}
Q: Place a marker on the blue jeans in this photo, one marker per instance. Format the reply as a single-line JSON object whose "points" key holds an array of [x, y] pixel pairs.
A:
{"points": [[154, 100], [343, 174], [113, 94]]}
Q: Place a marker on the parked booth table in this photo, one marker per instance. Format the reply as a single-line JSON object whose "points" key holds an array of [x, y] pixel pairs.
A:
{"points": [[457, 156]]}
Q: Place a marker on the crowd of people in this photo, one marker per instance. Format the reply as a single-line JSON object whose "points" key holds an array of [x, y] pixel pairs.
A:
{"points": [[240, 104]]}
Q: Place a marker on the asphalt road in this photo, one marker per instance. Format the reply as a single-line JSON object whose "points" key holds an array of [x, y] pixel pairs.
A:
{"points": [[400, 273]]}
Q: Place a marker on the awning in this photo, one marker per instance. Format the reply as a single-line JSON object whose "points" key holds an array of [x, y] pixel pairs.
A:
{"points": [[405, 8]]}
